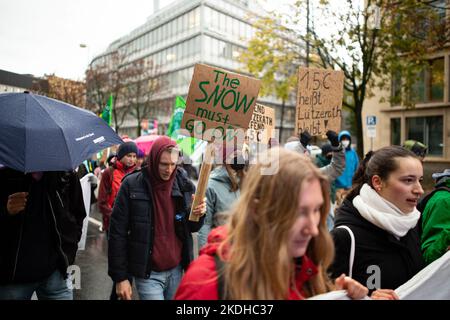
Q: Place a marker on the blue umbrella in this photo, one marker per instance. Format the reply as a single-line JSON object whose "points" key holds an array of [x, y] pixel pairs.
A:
{"points": [[43, 134]]}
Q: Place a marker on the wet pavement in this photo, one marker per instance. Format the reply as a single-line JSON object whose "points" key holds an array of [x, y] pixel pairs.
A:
{"points": [[93, 263], [95, 283]]}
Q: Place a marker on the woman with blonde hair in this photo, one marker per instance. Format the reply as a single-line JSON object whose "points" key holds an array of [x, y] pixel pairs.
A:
{"points": [[276, 244]]}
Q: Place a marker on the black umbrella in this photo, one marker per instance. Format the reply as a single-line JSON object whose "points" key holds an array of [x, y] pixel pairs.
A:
{"points": [[43, 134]]}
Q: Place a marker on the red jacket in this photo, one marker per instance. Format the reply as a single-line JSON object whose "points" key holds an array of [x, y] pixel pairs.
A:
{"points": [[109, 187], [200, 279]]}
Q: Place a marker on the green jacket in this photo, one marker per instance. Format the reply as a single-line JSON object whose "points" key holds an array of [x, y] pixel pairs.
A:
{"points": [[436, 224]]}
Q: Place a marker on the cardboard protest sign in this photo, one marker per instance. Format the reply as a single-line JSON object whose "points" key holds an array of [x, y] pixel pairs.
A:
{"points": [[261, 126], [219, 100], [319, 101]]}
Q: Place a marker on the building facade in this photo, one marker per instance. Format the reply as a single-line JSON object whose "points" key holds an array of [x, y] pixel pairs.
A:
{"points": [[428, 121], [186, 32], [14, 82]]}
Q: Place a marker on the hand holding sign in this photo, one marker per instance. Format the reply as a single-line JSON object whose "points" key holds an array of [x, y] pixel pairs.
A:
{"points": [[199, 210]]}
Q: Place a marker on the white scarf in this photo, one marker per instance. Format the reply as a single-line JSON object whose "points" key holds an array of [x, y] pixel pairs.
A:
{"points": [[383, 213]]}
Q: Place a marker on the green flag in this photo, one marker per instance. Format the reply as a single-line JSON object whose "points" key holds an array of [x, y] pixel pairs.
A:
{"points": [[177, 116], [186, 144], [107, 112]]}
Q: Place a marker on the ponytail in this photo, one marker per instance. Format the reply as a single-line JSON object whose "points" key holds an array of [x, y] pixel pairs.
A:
{"points": [[360, 177]]}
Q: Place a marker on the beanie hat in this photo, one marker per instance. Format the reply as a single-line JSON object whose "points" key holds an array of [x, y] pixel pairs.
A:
{"points": [[126, 148]]}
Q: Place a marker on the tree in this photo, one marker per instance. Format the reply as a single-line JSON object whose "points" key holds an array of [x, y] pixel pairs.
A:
{"points": [[268, 59], [70, 91], [108, 76], [348, 38], [143, 83]]}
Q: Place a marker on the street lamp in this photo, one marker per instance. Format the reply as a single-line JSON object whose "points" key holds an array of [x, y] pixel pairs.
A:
{"points": [[85, 46]]}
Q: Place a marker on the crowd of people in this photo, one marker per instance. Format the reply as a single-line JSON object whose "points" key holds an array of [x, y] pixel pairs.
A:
{"points": [[311, 227]]}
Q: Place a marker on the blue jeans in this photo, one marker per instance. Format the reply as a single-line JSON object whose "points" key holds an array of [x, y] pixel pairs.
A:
{"points": [[160, 286], [52, 288]]}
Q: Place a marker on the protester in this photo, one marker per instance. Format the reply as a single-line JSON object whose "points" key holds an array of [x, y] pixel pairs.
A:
{"points": [[344, 181], [337, 165], [41, 220], [150, 234], [416, 147], [379, 218], [276, 244], [222, 191], [323, 160], [112, 178], [435, 208]]}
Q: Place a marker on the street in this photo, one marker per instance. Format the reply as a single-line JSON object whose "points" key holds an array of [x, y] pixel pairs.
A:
{"points": [[93, 263]]}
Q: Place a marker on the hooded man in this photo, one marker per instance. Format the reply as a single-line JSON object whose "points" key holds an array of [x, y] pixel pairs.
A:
{"points": [[112, 178], [344, 181], [150, 234]]}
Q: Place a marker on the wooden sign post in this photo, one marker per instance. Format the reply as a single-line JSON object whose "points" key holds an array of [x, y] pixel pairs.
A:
{"points": [[218, 102], [203, 179], [319, 101]]}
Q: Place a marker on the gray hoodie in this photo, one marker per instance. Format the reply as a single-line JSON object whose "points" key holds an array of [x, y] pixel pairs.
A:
{"points": [[219, 198]]}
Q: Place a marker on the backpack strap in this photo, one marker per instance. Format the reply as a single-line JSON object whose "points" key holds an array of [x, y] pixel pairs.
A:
{"points": [[220, 267], [352, 249]]}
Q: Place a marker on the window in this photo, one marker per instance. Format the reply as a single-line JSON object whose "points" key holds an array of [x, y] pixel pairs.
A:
{"points": [[215, 47], [236, 24], [197, 16], [222, 23], [179, 26], [191, 19], [222, 49], [428, 130], [395, 131], [429, 84], [165, 31], [215, 19], [417, 93], [185, 25], [207, 16], [396, 89], [436, 87]]}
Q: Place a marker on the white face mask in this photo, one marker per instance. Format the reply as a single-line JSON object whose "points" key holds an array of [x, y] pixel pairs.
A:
{"points": [[345, 143]]}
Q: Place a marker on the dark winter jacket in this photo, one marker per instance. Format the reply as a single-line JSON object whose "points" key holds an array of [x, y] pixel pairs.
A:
{"points": [[398, 260], [131, 230], [45, 236]]}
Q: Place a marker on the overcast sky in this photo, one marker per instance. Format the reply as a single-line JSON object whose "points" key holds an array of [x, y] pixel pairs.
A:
{"points": [[43, 36]]}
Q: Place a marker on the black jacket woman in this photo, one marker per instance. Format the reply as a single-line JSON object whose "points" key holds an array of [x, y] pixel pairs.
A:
{"points": [[380, 215]]}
